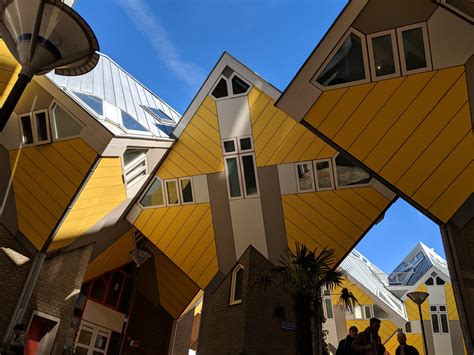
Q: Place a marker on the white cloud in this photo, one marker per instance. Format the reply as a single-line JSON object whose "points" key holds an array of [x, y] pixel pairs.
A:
{"points": [[145, 21]]}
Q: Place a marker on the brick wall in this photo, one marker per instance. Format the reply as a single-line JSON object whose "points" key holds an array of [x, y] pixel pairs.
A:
{"points": [[249, 327]]}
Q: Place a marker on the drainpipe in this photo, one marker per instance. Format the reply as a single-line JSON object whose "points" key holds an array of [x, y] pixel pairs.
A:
{"points": [[38, 261]]}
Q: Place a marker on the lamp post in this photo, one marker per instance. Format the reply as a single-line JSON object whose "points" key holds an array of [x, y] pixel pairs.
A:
{"points": [[44, 35], [420, 297]]}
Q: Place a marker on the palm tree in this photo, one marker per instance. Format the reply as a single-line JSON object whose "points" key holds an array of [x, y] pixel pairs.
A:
{"points": [[304, 274]]}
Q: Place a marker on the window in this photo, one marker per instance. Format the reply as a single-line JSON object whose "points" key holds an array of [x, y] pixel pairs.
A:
{"points": [[229, 146], [186, 189], [221, 89], [383, 55], [35, 128], [367, 312], [440, 281], [158, 114], [172, 195], [349, 174], [324, 174], [245, 144], [328, 308], [439, 318], [63, 125], [236, 287], [429, 281], [238, 85], [408, 327], [379, 312], [414, 49], [154, 195], [91, 101], [304, 176], [233, 177], [130, 123], [358, 312], [250, 176], [347, 64], [229, 84], [135, 167]]}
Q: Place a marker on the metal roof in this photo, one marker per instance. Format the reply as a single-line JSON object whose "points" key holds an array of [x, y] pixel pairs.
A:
{"points": [[416, 264], [128, 107], [373, 280]]}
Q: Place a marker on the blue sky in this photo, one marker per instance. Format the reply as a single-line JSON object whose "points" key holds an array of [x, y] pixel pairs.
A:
{"points": [[172, 45]]}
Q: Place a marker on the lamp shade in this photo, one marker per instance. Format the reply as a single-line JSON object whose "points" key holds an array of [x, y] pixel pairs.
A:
{"points": [[418, 297], [139, 256], [44, 35]]}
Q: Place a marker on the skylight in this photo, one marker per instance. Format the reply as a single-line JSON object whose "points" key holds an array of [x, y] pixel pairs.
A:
{"points": [[159, 114], [130, 123], [93, 102]]}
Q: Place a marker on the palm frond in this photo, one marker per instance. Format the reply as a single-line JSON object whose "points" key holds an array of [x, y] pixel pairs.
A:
{"points": [[347, 299]]}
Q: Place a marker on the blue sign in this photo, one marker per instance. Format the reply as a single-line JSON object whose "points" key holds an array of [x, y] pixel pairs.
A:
{"points": [[288, 326]]}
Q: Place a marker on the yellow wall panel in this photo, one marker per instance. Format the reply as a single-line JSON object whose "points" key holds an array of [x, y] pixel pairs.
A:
{"points": [[210, 104], [451, 302], [9, 69], [323, 106], [296, 135]]}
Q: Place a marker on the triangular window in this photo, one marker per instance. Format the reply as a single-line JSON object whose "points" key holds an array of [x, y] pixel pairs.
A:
{"points": [[239, 86], [346, 65], [62, 124], [349, 174], [221, 89]]}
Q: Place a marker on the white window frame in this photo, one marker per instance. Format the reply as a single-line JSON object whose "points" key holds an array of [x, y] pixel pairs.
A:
{"points": [[396, 59], [331, 173], [426, 44], [147, 189], [86, 106], [227, 157], [134, 131], [325, 307], [336, 181], [181, 190], [166, 192], [240, 150], [314, 80], [137, 161], [438, 314], [310, 163], [242, 174], [34, 128], [235, 145], [51, 122], [232, 300], [229, 85]]}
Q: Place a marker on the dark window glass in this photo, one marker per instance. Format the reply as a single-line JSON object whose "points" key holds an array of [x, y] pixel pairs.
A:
{"points": [[249, 175], [434, 322], [239, 280], [220, 90], [444, 323], [154, 195], [329, 311], [408, 327], [383, 55], [130, 123], [414, 49], [429, 281], [160, 114], [126, 295], [27, 131], [323, 174], [442, 308], [187, 191], [93, 102], [41, 126], [168, 130], [368, 313], [433, 308], [114, 289], [239, 86], [245, 144], [229, 146], [348, 173], [233, 176], [98, 289], [305, 177], [440, 281], [346, 65], [380, 313]]}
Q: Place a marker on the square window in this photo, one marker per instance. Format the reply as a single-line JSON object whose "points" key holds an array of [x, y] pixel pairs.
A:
{"points": [[245, 143], [229, 146]]}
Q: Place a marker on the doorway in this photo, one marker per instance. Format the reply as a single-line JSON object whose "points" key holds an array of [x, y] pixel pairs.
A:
{"points": [[92, 339]]}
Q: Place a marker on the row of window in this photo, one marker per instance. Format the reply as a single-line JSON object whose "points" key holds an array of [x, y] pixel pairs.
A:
{"points": [[172, 192], [349, 63], [37, 127], [368, 311], [328, 174]]}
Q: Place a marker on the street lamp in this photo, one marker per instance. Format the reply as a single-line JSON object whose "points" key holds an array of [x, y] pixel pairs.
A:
{"points": [[44, 35], [419, 297]]}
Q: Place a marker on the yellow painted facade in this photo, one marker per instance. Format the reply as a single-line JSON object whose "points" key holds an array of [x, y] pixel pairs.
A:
{"points": [[45, 178], [185, 234], [413, 131], [9, 69], [103, 192]]}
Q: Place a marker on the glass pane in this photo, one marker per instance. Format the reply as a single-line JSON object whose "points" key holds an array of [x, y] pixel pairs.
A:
{"points": [[229, 146], [239, 279], [63, 124], [239, 86], [100, 342], [233, 176], [433, 308], [154, 195], [93, 102], [160, 114], [429, 281], [346, 65], [348, 173], [114, 289], [408, 327], [220, 90], [172, 191], [245, 144], [328, 305], [444, 323], [414, 49], [367, 312], [80, 351], [434, 322], [130, 123], [249, 175], [167, 129], [305, 176], [442, 308], [358, 312], [187, 191], [323, 174], [126, 294], [27, 131], [440, 281], [85, 337], [383, 55], [98, 289], [41, 126], [132, 155], [380, 313]]}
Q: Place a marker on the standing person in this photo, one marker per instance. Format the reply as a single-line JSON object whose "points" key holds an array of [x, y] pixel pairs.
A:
{"points": [[404, 348], [17, 345], [345, 345], [368, 342]]}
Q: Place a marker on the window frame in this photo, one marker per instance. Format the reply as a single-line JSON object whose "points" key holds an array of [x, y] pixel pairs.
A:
{"points": [[331, 173], [146, 191], [242, 173], [367, 79], [336, 181], [134, 131], [51, 107], [134, 163], [239, 149], [236, 157], [437, 313], [34, 128], [426, 44], [395, 52], [310, 163], [86, 106], [236, 151], [232, 300], [181, 190], [230, 91], [167, 203], [325, 307]]}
